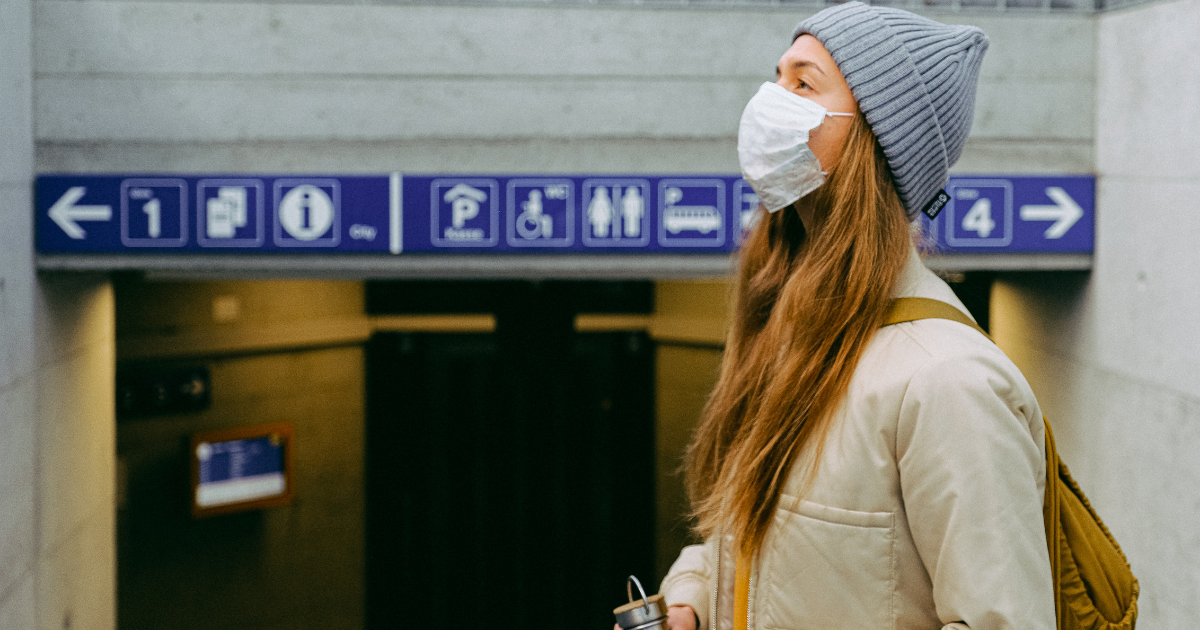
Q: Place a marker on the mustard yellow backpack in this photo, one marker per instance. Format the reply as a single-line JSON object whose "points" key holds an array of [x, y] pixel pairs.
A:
{"points": [[1094, 588]]}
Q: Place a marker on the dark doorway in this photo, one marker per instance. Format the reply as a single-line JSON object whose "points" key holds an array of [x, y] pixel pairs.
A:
{"points": [[974, 289], [509, 476]]}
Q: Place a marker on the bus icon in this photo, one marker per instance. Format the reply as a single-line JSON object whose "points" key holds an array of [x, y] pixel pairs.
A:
{"points": [[691, 212], [702, 219]]}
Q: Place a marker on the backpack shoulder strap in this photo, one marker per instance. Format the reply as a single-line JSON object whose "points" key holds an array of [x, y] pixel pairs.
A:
{"points": [[911, 309]]}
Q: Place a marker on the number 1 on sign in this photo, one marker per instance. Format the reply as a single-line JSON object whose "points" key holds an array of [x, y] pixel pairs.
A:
{"points": [[979, 218], [153, 210]]}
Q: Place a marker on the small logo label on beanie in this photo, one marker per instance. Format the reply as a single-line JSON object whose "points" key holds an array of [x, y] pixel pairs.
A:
{"points": [[934, 207]]}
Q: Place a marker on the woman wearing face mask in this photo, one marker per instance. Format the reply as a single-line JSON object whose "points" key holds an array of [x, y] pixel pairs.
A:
{"points": [[846, 475]]}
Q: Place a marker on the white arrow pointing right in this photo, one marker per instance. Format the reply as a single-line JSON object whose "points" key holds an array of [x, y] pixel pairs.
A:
{"points": [[1065, 212], [65, 213]]}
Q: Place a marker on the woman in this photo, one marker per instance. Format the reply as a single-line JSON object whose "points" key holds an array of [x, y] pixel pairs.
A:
{"points": [[847, 475]]}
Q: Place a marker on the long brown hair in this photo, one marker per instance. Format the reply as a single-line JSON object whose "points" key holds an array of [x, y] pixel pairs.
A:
{"points": [[806, 306]]}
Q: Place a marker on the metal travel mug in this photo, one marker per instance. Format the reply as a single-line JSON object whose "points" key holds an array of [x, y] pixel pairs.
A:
{"points": [[647, 613]]}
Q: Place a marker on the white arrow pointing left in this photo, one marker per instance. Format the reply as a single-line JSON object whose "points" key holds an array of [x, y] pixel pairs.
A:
{"points": [[1065, 212], [65, 213]]}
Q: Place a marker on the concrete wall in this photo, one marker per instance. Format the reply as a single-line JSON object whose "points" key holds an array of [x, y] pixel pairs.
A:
{"points": [[56, 403], [18, 363], [1115, 357], [262, 87]]}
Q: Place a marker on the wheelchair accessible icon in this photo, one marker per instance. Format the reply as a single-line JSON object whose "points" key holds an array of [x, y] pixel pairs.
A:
{"points": [[541, 212]]}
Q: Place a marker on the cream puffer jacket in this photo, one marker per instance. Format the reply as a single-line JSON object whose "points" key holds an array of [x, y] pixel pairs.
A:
{"points": [[926, 510]]}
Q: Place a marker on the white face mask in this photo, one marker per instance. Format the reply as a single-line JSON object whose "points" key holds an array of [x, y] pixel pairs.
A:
{"points": [[773, 145]]}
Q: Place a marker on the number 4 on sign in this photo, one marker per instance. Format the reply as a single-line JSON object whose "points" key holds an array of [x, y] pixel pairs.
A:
{"points": [[979, 218]]}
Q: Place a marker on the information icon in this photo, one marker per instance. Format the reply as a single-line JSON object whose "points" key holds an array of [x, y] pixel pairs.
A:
{"points": [[307, 213]]}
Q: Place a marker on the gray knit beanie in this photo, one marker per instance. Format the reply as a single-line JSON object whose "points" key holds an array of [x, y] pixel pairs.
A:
{"points": [[914, 80]]}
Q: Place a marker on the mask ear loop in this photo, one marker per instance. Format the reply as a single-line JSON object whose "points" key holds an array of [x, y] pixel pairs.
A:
{"points": [[829, 113]]}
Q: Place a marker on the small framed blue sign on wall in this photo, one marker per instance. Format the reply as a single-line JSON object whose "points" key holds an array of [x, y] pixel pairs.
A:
{"points": [[245, 468]]}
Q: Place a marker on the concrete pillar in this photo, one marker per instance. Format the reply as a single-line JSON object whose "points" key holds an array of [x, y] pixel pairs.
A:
{"points": [[1115, 357], [56, 395], [18, 390]]}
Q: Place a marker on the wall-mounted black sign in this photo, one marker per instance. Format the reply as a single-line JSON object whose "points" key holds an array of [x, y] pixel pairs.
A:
{"points": [[152, 391]]}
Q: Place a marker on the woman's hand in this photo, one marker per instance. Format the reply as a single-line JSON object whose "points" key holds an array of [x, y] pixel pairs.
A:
{"points": [[679, 617]]}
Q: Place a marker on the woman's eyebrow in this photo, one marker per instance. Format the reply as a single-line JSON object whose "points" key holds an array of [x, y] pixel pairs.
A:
{"points": [[802, 63]]}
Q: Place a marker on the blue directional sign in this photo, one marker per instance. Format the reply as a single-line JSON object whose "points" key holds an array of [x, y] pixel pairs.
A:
{"points": [[1018, 214], [213, 215]]}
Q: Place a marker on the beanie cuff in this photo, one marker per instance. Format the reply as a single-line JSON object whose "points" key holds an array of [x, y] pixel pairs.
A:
{"points": [[891, 94]]}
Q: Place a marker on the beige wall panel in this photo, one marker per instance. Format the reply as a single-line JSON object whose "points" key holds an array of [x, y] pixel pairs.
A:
{"points": [[685, 376], [169, 308], [691, 311], [318, 387], [76, 455], [306, 557], [77, 465], [77, 576], [688, 323], [75, 316]]}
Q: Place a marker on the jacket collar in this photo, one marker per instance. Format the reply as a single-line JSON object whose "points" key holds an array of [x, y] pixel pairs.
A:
{"points": [[916, 280]]}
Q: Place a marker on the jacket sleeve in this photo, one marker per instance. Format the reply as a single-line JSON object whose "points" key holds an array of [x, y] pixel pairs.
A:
{"points": [[690, 580], [970, 450]]}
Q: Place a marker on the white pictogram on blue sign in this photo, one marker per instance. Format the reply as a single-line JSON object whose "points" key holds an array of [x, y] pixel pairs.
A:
{"points": [[615, 213], [464, 212], [307, 212], [229, 212], [691, 213], [980, 213], [746, 203], [541, 212], [154, 212]]}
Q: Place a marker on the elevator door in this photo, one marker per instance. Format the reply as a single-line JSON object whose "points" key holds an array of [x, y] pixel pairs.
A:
{"points": [[510, 476]]}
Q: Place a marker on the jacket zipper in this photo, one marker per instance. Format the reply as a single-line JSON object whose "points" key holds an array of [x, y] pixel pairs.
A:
{"points": [[750, 598], [712, 604]]}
